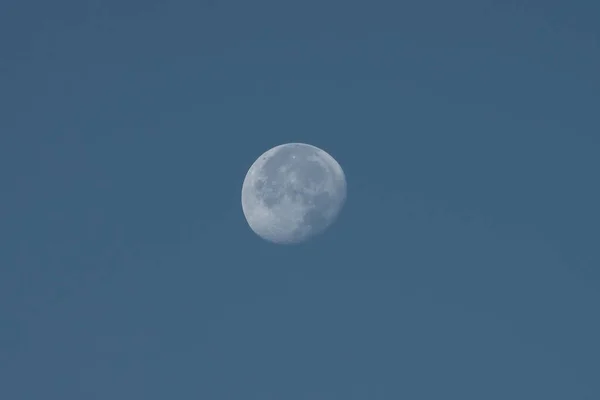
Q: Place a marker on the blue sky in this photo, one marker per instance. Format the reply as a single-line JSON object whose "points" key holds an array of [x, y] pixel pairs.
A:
{"points": [[464, 265]]}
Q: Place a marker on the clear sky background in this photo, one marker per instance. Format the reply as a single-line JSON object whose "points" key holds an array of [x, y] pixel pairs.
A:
{"points": [[465, 264]]}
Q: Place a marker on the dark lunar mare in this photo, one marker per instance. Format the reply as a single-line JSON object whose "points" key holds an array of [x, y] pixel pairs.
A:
{"points": [[317, 218]]}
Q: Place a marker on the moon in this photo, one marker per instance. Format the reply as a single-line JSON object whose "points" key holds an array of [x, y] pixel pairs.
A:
{"points": [[292, 193]]}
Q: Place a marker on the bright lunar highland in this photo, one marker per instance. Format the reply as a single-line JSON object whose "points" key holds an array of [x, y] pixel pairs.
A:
{"points": [[293, 192]]}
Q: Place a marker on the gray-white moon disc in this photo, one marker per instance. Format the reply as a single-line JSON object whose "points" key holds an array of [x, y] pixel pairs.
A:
{"points": [[293, 192]]}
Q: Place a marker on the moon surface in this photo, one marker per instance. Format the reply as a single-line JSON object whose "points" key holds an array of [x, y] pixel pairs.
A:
{"points": [[293, 192]]}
